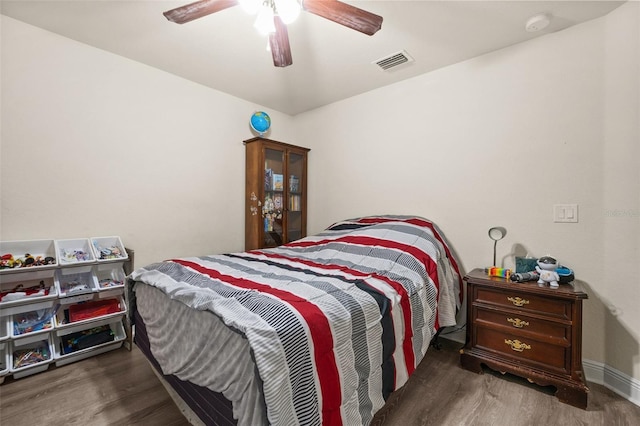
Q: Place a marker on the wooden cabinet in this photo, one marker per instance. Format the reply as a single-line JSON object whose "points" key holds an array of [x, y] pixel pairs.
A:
{"points": [[526, 329], [276, 193]]}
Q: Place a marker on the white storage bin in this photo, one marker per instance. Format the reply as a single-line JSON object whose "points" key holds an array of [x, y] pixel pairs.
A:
{"points": [[31, 355], [108, 249], [27, 291], [74, 251], [4, 361], [4, 330], [111, 279], [27, 254], [30, 323], [75, 280], [64, 324], [61, 344]]}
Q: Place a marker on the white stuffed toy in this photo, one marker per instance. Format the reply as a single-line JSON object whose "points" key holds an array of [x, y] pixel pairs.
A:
{"points": [[547, 266]]}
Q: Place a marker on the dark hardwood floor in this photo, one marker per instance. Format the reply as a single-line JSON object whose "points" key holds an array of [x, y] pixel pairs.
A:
{"points": [[120, 388]]}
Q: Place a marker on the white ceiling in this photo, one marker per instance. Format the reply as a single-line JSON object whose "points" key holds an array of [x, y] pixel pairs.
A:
{"points": [[330, 62]]}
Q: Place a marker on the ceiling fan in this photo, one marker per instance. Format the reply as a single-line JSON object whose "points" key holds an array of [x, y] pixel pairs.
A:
{"points": [[333, 10]]}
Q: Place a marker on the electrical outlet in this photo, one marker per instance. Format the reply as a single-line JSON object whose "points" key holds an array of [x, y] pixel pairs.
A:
{"points": [[565, 213]]}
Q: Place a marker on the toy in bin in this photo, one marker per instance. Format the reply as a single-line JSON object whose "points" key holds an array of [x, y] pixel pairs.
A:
{"points": [[31, 355], [21, 292], [86, 339], [30, 322]]}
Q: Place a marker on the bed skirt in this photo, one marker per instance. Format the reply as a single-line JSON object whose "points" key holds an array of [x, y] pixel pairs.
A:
{"points": [[212, 408]]}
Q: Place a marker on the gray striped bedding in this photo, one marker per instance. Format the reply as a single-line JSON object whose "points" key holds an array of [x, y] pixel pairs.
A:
{"points": [[318, 331]]}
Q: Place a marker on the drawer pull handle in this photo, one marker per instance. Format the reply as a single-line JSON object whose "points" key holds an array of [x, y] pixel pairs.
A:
{"points": [[517, 322], [518, 301], [517, 345]]}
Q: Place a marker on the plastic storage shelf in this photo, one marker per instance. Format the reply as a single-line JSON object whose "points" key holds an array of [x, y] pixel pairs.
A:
{"points": [[84, 276]]}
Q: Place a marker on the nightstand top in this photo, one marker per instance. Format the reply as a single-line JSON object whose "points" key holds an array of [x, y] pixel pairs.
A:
{"points": [[479, 276]]}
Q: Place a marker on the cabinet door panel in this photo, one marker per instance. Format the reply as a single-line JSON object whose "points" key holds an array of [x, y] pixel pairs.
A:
{"points": [[295, 169], [272, 203]]}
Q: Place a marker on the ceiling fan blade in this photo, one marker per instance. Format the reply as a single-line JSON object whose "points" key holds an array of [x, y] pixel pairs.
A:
{"points": [[279, 44], [197, 9], [345, 14]]}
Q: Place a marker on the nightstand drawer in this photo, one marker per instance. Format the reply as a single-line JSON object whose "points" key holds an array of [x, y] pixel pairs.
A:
{"points": [[556, 308], [533, 352], [547, 330]]}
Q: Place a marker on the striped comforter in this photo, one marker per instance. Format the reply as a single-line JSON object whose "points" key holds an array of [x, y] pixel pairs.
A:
{"points": [[335, 321]]}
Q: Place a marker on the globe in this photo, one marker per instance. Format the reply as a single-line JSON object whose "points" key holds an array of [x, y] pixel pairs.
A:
{"points": [[260, 122]]}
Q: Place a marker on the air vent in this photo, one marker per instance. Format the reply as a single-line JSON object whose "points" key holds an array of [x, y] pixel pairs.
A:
{"points": [[393, 60]]}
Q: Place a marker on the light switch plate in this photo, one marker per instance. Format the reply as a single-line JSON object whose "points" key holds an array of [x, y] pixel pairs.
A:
{"points": [[565, 213]]}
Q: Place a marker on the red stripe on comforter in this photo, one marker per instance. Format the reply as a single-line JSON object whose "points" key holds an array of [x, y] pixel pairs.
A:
{"points": [[430, 265], [320, 334], [424, 223], [407, 349]]}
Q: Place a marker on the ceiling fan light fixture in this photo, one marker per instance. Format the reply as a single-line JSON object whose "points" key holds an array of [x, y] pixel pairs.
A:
{"points": [[250, 6], [288, 10], [272, 15], [264, 21]]}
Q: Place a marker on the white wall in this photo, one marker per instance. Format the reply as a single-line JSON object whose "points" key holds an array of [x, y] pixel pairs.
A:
{"points": [[620, 156], [94, 144], [498, 140]]}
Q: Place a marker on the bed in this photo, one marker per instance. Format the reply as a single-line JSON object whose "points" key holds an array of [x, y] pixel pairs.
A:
{"points": [[318, 331]]}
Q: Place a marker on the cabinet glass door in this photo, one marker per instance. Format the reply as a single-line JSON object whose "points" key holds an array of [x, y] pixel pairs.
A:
{"points": [[295, 171], [274, 197]]}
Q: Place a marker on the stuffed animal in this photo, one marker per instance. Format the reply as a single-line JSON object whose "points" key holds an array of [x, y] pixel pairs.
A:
{"points": [[547, 267]]}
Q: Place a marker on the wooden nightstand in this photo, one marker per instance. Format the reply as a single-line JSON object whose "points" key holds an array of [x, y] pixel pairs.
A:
{"points": [[528, 330]]}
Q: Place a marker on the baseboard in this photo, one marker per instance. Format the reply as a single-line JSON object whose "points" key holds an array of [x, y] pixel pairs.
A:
{"points": [[625, 386]]}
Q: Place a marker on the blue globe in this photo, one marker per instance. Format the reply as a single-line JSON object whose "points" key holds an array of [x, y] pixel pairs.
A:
{"points": [[260, 122]]}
